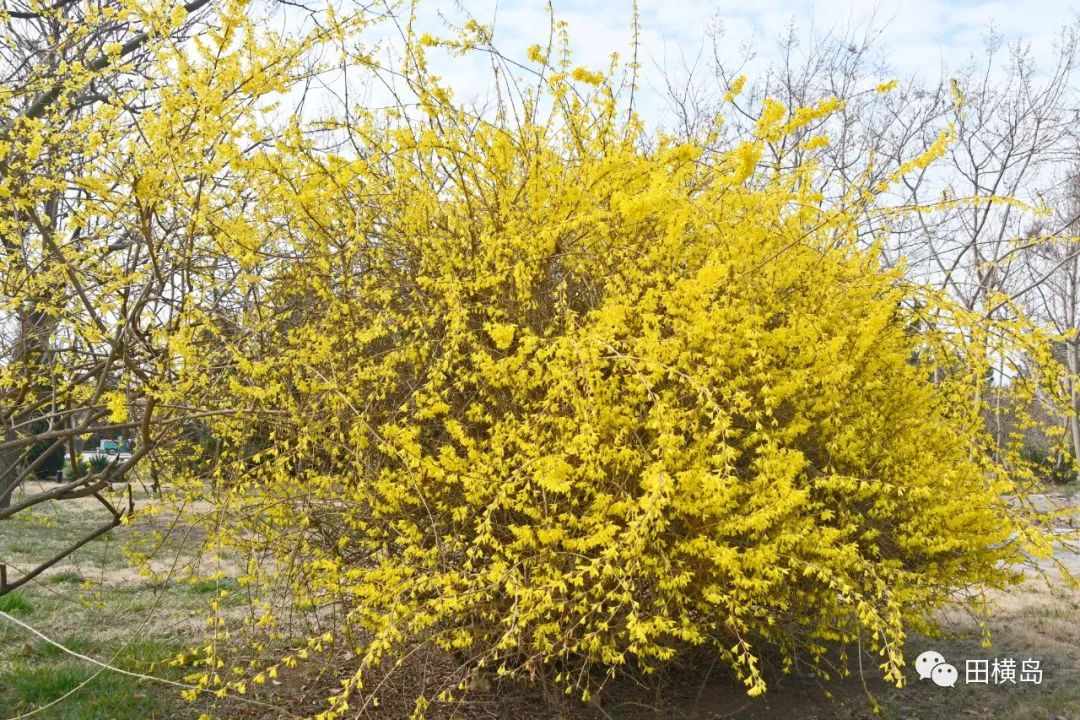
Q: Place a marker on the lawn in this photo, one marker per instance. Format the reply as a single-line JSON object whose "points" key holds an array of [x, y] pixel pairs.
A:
{"points": [[94, 605]]}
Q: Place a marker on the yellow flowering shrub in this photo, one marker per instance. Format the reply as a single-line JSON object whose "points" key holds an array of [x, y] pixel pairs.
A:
{"points": [[562, 402]]}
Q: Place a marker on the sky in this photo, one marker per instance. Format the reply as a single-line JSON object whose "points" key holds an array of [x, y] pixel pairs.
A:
{"points": [[924, 37]]}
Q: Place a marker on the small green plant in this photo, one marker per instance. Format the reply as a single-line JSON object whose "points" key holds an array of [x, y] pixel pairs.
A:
{"points": [[66, 576], [80, 469], [210, 585], [94, 465], [15, 602], [205, 586]]}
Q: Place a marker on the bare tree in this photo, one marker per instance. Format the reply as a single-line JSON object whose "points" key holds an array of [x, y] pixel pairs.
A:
{"points": [[1011, 125], [1051, 268], [73, 332]]}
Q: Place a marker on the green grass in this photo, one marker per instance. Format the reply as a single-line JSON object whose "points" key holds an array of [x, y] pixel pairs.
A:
{"points": [[66, 576], [203, 587], [41, 650], [96, 606], [43, 676], [15, 603]]}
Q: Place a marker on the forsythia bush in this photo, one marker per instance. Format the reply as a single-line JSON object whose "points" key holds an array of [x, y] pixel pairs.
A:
{"points": [[564, 401]]}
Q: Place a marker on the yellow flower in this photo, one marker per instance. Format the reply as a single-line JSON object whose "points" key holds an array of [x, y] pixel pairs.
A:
{"points": [[583, 75], [887, 86], [117, 406]]}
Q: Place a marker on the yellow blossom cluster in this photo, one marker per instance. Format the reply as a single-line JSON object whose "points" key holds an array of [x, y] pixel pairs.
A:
{"points": [[559, 400]]}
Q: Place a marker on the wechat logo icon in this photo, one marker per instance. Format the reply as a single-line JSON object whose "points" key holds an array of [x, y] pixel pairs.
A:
{"points": [[931, 664]]}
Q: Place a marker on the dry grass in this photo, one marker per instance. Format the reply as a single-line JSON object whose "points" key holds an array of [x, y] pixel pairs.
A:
{"points": [[95, 604]]}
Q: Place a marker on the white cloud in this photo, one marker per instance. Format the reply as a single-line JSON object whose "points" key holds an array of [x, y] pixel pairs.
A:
{"points": [[917, 36]]}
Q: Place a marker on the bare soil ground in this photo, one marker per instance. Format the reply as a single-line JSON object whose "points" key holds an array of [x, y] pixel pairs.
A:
{"points": [[95, 604]]}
